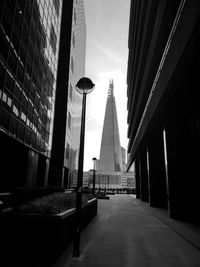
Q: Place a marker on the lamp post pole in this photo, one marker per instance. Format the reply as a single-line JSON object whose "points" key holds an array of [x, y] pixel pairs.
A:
{"points": [[94, 170], [105, 182], [83, 86], [99, 182]]}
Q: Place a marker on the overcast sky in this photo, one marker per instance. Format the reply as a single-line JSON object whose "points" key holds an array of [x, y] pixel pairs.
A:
{"points": [[107, 24]]}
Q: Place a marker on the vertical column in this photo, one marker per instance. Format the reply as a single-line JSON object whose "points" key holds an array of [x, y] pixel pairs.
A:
{"points": [[137, 177], [182, 150], [157, 175], [183, 173], [32, 165], [182, 130], [144, 188], [66, 178], [42, 171], [176, 165]]}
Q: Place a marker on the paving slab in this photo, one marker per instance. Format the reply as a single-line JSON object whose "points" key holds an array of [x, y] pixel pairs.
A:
{"points": [[127, 232]]}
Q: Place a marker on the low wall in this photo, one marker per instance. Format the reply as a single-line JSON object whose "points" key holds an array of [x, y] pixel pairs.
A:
{"points": [[41, 236]]}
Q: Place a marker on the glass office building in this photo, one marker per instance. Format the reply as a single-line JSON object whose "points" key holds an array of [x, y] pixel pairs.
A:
{"points": [[29, 54]]}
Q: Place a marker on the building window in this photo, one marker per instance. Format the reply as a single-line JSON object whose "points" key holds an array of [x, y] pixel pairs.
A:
{"points": [[72, 64], [53, 39], [13, 126], [73, 40], [15, 110], [71, 91], [4, 119], [67, 152], [75, 16], [69, 120], [9, 81], [56, 6]]}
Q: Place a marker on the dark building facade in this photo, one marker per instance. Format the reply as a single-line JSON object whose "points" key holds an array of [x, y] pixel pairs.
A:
{"points": [[163, 104], [35, 39]]}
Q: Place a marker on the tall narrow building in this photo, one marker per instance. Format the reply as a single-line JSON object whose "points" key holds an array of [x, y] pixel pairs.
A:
{"points": [[110, 152], [67, 119]]}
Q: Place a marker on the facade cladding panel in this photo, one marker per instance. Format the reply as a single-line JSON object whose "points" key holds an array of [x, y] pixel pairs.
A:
{"points": [[29, 36], [77, 70]]}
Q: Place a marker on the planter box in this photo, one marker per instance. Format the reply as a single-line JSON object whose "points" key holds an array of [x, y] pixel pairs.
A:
{"points": [[42, 236], [103, 197]]}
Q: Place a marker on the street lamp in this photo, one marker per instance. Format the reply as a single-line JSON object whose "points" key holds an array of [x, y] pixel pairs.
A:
{"points": [[84, 87], [94, 170], [99, 182]]}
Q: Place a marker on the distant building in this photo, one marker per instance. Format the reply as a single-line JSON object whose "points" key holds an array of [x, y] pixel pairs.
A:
{"points": [[86, 176], [112, 180], [111, 166], [123, 153], [73, 177]]}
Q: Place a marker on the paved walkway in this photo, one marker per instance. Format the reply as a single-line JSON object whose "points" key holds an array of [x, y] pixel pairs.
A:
{"points": [[127, 232]]}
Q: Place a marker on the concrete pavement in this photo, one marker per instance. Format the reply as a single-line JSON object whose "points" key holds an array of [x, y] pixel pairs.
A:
{"points": [[127, 232]]}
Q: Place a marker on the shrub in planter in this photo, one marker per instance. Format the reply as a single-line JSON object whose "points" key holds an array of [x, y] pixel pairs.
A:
{"points": [[22, 195], [43, 235], [52, 204]]}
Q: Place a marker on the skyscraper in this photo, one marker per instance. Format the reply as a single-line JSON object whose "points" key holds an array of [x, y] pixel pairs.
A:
{"points": [[111, 166], [37, 74], [29, 36], [110, 152], [66, 138]]}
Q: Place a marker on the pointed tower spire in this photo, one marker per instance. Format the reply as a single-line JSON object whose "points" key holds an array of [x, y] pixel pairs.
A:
{"points": [[110, 152], [111, 88]]}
